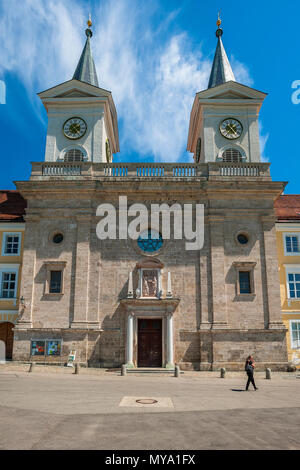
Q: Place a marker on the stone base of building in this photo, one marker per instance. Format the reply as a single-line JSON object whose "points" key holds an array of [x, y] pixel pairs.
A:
{"points": [[204, 350], [86, 343], [229, 348]]}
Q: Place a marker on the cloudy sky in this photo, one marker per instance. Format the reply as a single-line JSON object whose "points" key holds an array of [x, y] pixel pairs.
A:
{"points": [[154, 56]]}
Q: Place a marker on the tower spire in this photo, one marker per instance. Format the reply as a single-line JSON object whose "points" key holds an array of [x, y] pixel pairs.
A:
{"points": [[221, 70], [86, 70]]}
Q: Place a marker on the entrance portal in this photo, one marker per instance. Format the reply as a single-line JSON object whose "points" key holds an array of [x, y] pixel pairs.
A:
{"points": [[149, 343], [7, 336]]}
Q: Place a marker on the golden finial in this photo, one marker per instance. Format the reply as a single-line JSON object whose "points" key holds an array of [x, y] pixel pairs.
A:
{"points": [[219, 22], [89, 23]]}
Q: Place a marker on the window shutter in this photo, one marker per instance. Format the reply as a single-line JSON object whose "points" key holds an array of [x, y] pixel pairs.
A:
{"points": [[232, 156], [73, 155]]}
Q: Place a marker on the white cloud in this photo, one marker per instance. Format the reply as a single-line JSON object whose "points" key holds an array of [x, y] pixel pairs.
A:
{"points": [[263, 138], [40, 40], [152, 74], [153, 80], [241, 72]]}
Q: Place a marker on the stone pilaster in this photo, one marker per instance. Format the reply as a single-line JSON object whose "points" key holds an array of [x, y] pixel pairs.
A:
{"points": [[218, 272], [82, 272], [170, 342], [272, 287], [129, 341], [204, 282], [93, 301], [27, 291]]}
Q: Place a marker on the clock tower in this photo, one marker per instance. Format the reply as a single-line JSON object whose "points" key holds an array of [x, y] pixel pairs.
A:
{"points": [[224, 118], [82, 118]]}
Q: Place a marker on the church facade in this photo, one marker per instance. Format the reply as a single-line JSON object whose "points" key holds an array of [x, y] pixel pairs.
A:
{"points": [[150, 302]]}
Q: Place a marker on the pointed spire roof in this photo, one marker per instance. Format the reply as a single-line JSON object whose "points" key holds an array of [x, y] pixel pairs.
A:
{"points": [[221, 70], [86, 70]]}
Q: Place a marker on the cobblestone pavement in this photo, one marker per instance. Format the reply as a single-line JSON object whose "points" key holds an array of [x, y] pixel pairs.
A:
{"points": [[55, 411]]}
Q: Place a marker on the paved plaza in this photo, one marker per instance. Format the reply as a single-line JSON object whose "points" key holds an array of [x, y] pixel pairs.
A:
{"points": [[196, 411]]}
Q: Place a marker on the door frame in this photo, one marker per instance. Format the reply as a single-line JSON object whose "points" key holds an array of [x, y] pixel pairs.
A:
{"points": [[162, 338], [150, 316], [5, 341]]}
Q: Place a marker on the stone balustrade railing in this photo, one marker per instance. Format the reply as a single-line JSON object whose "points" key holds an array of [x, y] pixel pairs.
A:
{"points": [[208, 171]]}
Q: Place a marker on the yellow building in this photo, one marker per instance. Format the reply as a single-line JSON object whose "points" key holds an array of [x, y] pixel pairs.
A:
{"points": [[288, 243], [12, 227]]}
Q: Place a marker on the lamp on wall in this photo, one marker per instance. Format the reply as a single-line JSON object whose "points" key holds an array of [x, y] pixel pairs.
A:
{"points": [[22, 302]]}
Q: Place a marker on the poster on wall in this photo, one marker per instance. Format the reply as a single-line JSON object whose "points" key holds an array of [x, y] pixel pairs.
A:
{"points": [[71, 358], [53, 348], [38, 348]]}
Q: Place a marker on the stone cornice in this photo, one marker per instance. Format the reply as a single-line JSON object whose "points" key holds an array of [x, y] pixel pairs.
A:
{"points": [[155, 189], [137, 305]]}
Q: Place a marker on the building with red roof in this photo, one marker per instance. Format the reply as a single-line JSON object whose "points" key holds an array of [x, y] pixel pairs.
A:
{"points": [[12, 227]]}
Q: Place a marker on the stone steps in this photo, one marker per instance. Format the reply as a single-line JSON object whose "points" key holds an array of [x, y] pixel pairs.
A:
{"points": [[151, 370]]}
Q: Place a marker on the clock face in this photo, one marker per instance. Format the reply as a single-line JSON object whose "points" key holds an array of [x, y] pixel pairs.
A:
{"points": [[231, 128], [74, 128]]}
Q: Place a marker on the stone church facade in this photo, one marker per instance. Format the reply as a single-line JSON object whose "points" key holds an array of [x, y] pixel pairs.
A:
{"points": [[122, 301]]}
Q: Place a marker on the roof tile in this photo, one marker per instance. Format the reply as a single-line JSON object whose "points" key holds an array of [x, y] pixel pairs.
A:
{"points": [[12, 206]]}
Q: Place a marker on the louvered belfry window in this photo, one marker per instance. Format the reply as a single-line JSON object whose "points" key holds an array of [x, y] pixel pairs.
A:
{"points": [[232, 156], [73, 155]]}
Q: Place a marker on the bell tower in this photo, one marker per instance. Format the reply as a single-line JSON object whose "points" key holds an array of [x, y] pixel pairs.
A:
{"points": [[224, 118], [82, 118]]}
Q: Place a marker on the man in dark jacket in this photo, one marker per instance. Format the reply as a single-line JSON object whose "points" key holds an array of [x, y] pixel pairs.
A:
{"points": [[249, 368]]}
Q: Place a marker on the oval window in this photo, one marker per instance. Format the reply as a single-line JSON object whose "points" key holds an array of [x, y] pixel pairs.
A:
{"points": [[242, 239], [58, 238]]}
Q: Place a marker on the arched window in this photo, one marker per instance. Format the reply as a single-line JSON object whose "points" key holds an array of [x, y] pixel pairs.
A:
{"points": [[232, 155], [74, 155]]}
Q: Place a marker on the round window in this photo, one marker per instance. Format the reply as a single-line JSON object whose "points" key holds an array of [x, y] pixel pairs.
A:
{"points": [[243, 239], [150, 241], [58, 238]]}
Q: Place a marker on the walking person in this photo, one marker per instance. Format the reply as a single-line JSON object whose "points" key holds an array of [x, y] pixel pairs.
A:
{"points": [[249, 368]]}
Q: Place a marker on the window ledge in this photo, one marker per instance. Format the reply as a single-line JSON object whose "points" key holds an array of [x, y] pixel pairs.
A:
{"points": [[54, 294], [292, 254], [244, 297]]}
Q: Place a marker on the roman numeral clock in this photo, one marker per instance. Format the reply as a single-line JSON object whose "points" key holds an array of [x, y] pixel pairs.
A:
{"points": [[74, 128], [231, 128]]}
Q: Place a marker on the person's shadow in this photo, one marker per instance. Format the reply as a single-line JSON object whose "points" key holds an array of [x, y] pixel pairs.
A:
{"points": [[237, 390]]}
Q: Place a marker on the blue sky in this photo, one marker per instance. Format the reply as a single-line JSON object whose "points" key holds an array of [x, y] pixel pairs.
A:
{"points": [[154, 56]]}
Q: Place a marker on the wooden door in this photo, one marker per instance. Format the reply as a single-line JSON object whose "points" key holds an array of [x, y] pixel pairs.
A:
{"points": [[7, 335], [149, 343]]}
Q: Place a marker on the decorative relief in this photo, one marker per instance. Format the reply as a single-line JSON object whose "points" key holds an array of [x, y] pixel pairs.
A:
{"points": [[150, 283]]}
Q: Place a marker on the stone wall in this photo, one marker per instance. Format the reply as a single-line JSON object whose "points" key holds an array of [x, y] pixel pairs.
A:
{"points": [[212, 324]]}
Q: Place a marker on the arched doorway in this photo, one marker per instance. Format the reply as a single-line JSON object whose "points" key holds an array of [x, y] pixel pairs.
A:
{"points": [[7, 335]]}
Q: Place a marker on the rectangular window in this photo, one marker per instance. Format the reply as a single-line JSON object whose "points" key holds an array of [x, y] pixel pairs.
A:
{"points": [[55, 282], [245, 282], [295, 327], [12, 244], [294, 285], [292, 244], [8, 285]]}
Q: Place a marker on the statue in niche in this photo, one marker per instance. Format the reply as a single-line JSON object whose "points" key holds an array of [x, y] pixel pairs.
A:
{"points": [[150, 283]]}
